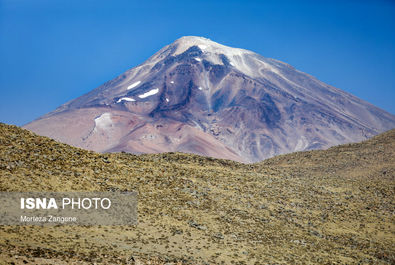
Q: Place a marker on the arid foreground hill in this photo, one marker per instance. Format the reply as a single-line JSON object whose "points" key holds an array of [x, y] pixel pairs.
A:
{"points": [[321, 207]]}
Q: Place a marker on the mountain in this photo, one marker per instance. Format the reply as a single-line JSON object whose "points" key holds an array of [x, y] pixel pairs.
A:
{"points": [[198, 96], [332, 206]]}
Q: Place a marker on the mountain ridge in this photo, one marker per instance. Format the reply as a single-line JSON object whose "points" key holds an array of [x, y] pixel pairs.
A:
{"points": [[198, 96]]}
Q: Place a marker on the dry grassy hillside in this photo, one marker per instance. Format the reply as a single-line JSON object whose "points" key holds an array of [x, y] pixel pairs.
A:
{"points": [[333, 206]]}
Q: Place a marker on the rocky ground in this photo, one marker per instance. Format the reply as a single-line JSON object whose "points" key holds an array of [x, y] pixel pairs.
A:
{"points": [[321, 207]]}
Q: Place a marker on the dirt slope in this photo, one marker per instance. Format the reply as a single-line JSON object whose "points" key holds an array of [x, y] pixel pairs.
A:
{"points": [[316, 207]]}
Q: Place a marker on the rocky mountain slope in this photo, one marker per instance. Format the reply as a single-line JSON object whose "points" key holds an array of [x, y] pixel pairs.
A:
{"points": [[198, 96], [316, 207]]}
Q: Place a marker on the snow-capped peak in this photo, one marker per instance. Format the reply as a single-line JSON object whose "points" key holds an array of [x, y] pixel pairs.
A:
{"points": [[243, 60], [206, 45]]}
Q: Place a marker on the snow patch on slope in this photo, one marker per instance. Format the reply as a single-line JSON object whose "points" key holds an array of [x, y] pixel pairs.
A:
{"points": [[125, 99], [103, 121], [149, 93], [134, 85], [301, 144]]}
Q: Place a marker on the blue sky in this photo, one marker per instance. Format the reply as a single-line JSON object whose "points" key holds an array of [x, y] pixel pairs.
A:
{"points": [[52, 51]]}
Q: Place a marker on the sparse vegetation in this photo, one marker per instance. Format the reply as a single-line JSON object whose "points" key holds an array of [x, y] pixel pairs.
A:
{"points": [[322, 207]]}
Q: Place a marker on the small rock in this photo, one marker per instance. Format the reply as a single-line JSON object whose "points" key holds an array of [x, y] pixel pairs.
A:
{"points": [[219, 236]]}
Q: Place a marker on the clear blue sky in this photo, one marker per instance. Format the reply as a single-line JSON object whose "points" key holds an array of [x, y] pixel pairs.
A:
{"points": [[52, 51]]}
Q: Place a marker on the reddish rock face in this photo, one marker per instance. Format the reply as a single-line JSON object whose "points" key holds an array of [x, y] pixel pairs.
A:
{"points": [[199, 96]]}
